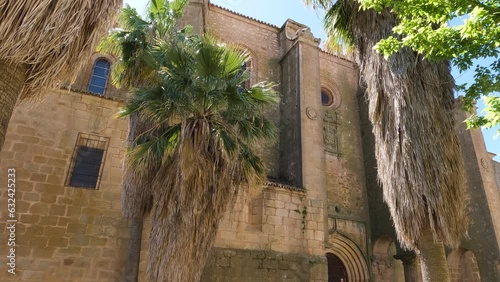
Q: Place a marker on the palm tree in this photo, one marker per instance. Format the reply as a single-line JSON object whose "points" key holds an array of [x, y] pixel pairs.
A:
{"points": [[204, 125], [42, 42], [132, 43], [418, 155]]}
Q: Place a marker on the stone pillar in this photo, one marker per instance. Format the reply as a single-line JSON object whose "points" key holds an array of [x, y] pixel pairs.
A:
{"points": [[484, 200], [410, 266], [195, 15], [302, 156], [302, 151]]}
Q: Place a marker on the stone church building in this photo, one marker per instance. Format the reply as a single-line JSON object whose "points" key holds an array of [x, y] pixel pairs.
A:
{"points": [[320, 217]]}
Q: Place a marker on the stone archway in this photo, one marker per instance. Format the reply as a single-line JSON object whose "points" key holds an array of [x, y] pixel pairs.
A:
{"points": [[351, 257], [384, 266], [462, 265]]}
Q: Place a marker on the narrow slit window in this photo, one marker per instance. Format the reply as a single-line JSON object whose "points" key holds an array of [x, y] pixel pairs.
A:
{"points": [[87, 161], [244, 67], [99, 78]]}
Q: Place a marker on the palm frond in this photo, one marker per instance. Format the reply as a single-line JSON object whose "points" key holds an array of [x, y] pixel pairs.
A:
{"points": [[411, 109], [336, 21], [135, 38], [52, 38], [205, 127]]}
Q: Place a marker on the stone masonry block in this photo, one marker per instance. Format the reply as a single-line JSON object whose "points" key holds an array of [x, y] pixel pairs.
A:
{"points": [[291, 206], [274, 204], [76, 228], [270, 211], [43, 253], [312, 225], [296, 200], [51, 231], [268, 229], [29, 275], [58, 242], [39, 208], [30, 139], [31, 197], [58, 210], [274, 220], [284, 198], [79, 240], [282, 212], [49, 220], [30, 218], [48, 198], [39, 159], [25, 130]]}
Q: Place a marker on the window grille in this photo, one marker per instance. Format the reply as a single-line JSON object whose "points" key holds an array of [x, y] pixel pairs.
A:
{"points": [[99, 78], [87, 161]]}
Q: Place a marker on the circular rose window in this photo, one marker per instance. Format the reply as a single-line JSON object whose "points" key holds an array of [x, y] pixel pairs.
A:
{"points": [[328, 99]]}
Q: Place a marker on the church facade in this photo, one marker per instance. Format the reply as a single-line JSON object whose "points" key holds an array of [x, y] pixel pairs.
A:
{"points": [[320, 217]]}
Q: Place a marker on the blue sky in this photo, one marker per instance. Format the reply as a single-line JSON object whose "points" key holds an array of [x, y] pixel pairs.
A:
{"points": [[276, 12]]}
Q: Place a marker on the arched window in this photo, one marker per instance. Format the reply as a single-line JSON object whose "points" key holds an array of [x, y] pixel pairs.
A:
{"points": [[99, 78]]}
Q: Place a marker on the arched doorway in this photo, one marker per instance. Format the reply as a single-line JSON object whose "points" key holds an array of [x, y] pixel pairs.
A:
{"points": [[351, 257], [337, 271]]}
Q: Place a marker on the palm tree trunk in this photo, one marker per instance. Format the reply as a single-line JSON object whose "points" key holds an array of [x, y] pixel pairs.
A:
{"points": [[432, 257], [12, 78], [134, 250]]}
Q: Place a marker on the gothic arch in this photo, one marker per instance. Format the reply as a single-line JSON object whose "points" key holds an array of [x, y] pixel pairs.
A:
{"points": [[351, 256]]}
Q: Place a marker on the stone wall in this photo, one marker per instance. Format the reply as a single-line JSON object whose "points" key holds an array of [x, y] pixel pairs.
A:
{"points": [[63, 233], [345, 170], [261, 42], [228, 265], [484, 201], [317, 201]]}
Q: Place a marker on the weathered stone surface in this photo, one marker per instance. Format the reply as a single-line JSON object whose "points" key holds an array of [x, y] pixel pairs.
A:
{"points": [[321, 169], [255, 265]]}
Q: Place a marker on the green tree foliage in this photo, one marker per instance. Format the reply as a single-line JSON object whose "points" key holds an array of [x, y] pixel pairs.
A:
{"points": [[204, 126], [410, 106], [132, 43], [463, 31], [192, 134], [133, 40]]}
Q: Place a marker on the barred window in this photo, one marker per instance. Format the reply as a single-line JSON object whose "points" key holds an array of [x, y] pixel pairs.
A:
{"points": [[99, 78], [87, 161]]}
